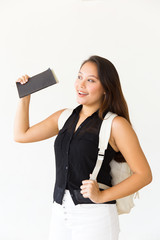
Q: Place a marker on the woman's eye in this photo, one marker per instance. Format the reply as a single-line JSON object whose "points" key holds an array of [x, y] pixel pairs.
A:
{"points": [[90, 80]]}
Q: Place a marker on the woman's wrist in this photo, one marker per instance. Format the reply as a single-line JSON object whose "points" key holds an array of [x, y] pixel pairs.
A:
{"points": [[25, 99], [102, 196]]}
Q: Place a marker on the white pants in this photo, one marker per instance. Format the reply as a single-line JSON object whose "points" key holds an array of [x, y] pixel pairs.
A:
{"points": [[83, 221]]}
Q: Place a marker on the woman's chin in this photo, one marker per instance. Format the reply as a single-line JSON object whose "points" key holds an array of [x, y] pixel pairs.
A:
{"points": [[80, 101]]}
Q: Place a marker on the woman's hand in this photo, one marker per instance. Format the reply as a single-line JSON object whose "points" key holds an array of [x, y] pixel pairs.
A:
{"points": [[23, 79], [90, 189]]}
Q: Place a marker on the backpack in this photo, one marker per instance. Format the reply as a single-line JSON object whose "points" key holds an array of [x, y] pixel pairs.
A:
{"points": [[119, 171]]}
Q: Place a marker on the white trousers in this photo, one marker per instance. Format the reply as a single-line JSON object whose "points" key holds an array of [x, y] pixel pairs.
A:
{"points": [[83, 221]]}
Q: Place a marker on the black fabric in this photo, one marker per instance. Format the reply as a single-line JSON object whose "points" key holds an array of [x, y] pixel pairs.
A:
{"points": [[36, 83], [76, 156]]}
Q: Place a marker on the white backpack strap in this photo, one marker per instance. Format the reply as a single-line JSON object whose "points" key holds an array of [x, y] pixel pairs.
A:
{"points": [[63, 117], [104, 135]]}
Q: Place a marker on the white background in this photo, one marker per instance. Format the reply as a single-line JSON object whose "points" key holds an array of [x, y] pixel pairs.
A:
{"points": [[60, 34]]}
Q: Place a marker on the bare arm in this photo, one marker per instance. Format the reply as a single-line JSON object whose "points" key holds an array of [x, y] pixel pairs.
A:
{"points": [[23, 133], [128, 144]]}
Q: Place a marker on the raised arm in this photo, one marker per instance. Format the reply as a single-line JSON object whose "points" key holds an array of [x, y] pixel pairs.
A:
{"points": [[23, 133]]}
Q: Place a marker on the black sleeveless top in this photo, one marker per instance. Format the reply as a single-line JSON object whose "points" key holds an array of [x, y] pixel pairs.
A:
{"points": [[76, 156]]}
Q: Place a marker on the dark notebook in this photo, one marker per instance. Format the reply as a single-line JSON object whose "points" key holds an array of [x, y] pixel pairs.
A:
{"points": [[36, 83]]}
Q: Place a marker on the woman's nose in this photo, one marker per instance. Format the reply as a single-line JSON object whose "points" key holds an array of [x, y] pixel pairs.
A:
{"points": [[82, 84]]}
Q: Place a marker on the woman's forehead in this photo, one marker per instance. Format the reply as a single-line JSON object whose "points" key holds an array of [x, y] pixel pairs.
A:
{"points": [[89, 68]]}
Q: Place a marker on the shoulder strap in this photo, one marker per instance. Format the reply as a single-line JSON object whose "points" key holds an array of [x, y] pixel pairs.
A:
{"points": [[104, 135], [105, 131], [64, 116]]}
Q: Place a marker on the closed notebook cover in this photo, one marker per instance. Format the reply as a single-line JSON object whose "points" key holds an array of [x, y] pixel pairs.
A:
{"points": [[36, 83]]}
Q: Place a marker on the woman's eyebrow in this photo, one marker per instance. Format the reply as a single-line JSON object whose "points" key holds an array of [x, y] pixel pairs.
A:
{"points": [[89, 75]]}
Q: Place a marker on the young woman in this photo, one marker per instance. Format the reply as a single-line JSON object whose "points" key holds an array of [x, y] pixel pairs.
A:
{"points": [[80, 209]]}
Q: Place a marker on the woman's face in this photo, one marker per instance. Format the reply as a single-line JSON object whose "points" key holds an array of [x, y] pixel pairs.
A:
{"points": [[88, 86]]}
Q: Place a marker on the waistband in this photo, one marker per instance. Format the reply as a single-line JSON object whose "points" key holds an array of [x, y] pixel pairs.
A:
{"points": [[67, 202]]}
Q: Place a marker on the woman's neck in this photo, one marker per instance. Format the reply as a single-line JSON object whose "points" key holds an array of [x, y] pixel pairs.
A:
{"points": [[88, 110]]}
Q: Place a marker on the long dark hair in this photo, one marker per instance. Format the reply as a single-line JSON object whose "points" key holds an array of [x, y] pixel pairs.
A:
{"points": [[114, 100]]}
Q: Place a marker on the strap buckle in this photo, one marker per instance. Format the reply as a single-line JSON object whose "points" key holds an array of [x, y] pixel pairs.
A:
{"points": [[100, 156]]}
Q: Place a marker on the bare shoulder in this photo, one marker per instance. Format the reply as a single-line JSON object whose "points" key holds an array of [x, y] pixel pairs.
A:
{"points": [[56, 114], [119, 122], [121, 125], [121, 131]]}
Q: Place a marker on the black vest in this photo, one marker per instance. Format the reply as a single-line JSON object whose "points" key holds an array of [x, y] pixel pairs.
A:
{"points": [[76, 156]]}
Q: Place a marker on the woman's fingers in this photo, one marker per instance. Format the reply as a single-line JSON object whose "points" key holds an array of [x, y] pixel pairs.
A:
{"points": [[23, 79]]}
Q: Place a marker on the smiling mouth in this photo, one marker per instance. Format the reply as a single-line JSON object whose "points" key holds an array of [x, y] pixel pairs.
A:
{"points": [[82, 93]]}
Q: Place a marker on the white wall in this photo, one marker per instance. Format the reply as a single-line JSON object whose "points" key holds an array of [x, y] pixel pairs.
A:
{"points": [[60, 34]]}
